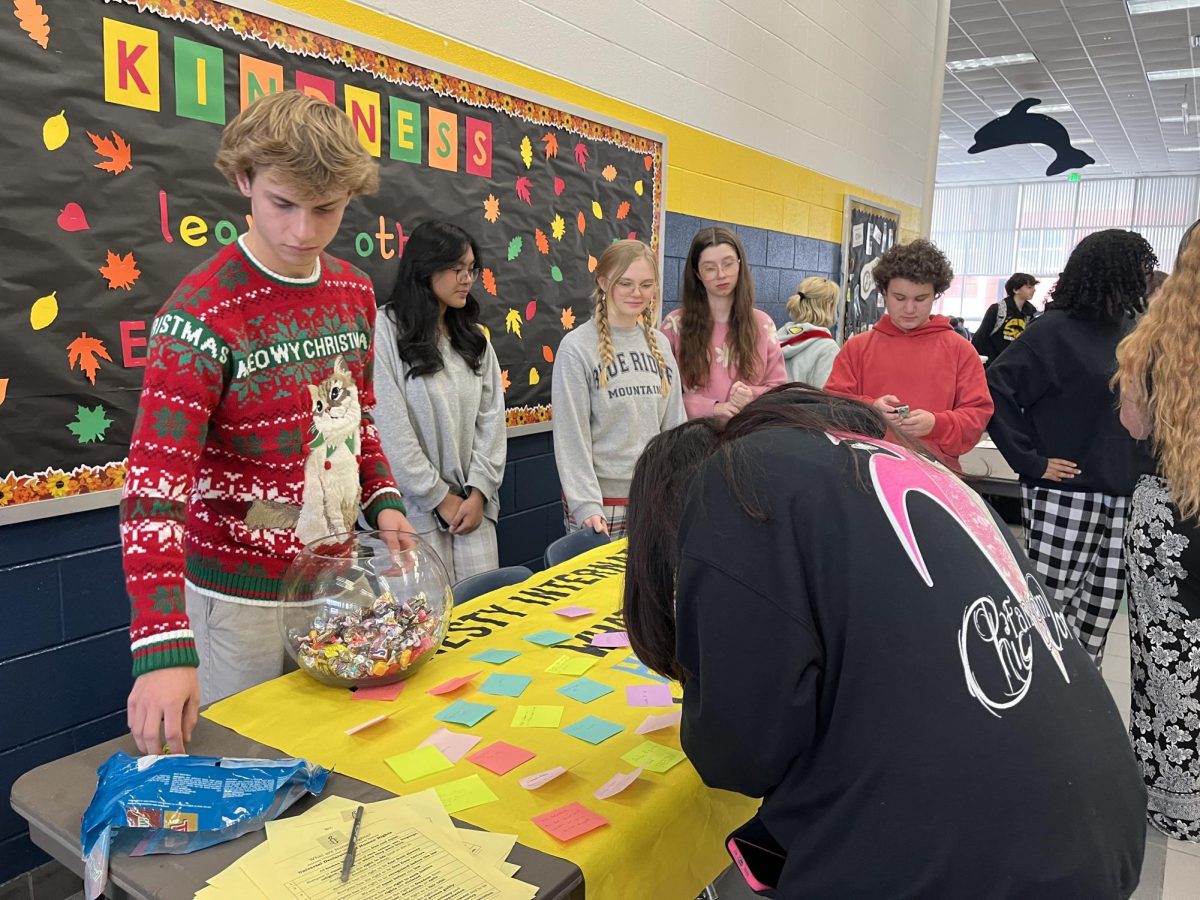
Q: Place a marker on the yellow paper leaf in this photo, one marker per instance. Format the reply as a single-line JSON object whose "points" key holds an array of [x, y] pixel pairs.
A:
{"points": [[526, 151], [44, 311], [637, 187], [55, 131], [534, 377], [558, 227], [596, 210]]}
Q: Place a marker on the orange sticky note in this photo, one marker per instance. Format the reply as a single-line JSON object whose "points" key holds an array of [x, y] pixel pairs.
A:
{"points": [[453, 684], [378, 692], [569, 822]]}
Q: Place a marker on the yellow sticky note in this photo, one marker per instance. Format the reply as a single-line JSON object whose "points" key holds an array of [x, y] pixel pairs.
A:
{"points": [[571, 665], [418, 763], [537, 717], [464, 794], [652, 756]]}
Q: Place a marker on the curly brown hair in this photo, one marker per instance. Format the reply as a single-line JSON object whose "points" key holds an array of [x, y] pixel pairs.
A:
{"points": [[919, 261]]}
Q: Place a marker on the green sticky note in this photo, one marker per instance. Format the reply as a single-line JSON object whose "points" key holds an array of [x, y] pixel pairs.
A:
{"points": [[464, 794], [593, 730], [505, 685], [547, 638], [585, 690], [537, 717], [496, 657], [571, 665], [655, 757], [418, 763]]}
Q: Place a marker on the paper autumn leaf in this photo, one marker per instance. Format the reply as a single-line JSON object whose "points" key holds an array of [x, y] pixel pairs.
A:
{"points": [[592, 263], [514, 248], [559, 186], [638, 188], [623, 209], [89, 424], [55, 131], [581, 155], [581, 222], [530, 310], [491, 208], [534, 377], [34, 21], [512, 322], [504, 382], [120, 271], [489, 281], [87, 352], [539, 238], [550, 139], [596, 210], [116, 153], [3, 390], [609, 173], [523, 186], [547, 353], [526, 151], [567, 319], [558, 227], [648, 161], [556, 273]]}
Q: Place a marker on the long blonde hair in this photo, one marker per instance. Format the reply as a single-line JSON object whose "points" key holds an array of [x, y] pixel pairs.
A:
{"points": [[619, 256], [1165, 349]]}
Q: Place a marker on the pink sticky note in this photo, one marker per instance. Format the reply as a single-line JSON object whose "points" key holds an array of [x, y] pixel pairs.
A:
{"points": [[453, 744], [616, 784], [654, 723], [501, 757], [533, 782], [648, 695], [452, 685], [367, 724], [379, 692], [569, 821], [574, 612], [611, 639]]}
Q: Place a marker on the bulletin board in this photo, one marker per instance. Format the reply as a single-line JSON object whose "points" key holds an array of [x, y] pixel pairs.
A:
{"points": [[113, 113], [868, 230]]}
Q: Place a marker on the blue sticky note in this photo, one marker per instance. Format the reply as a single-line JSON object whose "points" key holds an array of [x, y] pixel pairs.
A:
{"points": [[505, 685], [547, 638], [496, 657], [462, 712], [593, 730], [585, 690]]}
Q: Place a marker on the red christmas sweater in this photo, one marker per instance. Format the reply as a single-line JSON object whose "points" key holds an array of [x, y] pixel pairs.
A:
{"points": [[253, 437]]}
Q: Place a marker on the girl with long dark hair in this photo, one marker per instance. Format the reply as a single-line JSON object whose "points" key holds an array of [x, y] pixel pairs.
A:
{"points": [[862, 644], [439, 399]]}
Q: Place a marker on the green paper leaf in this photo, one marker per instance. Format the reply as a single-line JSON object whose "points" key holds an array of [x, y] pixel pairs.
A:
{"points": [[514, 248], [556, 273], [90, 424]]}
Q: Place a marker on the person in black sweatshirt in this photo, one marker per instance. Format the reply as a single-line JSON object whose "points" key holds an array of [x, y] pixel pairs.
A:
{"points": [[1004, 322], [1056, 424], [863, 645]]}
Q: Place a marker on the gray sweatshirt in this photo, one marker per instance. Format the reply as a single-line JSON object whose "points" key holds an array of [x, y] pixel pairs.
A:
{"points": [[441, 432], [808, 352], [599, 432]]}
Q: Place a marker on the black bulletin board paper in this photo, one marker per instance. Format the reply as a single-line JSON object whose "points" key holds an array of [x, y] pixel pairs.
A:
{"points": [[113, 113], [868, 231]]}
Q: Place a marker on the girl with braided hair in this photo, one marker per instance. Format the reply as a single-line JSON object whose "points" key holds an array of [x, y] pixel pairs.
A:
{"points": [[615, 387], [1057, 426]]}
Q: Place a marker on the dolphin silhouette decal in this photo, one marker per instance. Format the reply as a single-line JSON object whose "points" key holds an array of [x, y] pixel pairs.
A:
{"points": [[1019, 126]]}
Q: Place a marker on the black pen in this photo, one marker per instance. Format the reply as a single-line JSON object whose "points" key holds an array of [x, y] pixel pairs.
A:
{"points": [[350, 847]]}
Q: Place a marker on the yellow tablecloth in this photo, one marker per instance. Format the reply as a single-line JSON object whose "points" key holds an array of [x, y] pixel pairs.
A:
{"points": [[666, 832]]}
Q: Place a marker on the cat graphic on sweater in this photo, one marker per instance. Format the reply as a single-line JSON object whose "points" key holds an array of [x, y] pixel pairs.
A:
{"points": [[332, 490]]}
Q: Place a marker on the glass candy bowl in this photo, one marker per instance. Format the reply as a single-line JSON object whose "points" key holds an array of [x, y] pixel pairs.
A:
{"points": [[355, 612]]}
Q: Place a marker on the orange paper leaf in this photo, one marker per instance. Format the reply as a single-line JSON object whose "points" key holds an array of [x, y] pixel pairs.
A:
{"points": [[491, 208], [120, 271], [3, 390], [567, 318], [649, 162], [34, 21], [116, 153], [550, 139], [581, 223], [489, 281], [592, 263], [547, 353], [504, 382], [539, 238], [609, 173], [87, 352], [623, 209]]}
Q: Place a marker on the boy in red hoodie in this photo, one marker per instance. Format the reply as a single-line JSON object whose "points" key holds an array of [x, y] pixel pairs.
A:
{"points": [[925, 379]]}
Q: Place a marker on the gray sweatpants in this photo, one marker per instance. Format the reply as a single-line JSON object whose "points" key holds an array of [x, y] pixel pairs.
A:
{"points": [[239, 645]]}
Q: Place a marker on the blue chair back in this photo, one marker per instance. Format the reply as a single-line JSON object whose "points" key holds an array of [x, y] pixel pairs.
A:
{"points": [[573, 544], [476, 585]]}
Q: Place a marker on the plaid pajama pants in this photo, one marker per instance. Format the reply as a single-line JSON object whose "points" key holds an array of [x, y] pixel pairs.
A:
{"points": [[1075, 540], [614, 511], [465, 555]]}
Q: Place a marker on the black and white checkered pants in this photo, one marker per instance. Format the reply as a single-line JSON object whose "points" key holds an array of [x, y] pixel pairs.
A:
{"points": [[1075, 540]]}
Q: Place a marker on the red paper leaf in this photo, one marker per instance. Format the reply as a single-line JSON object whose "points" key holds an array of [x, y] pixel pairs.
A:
{"points": [[633, 235], [72, 218], [530, 310], [649, 162], [523, 186], [581, 155], [559, 186]]}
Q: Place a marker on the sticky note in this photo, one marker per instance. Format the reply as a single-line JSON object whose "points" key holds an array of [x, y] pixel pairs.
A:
{"points": [[648, 695], [537, 717], [418, 763], [362, 726], [505, 685], [568, 822], [593, 730], [501, 757], [654, 757], [571, 664], [461, 712], [453, 744], [611, 639], [585, 690], [616, 784], [547, 638], [452, 685], [574, 612], [496, 657], [464, 794], [378, 692], [655, 723], [533, 782]]}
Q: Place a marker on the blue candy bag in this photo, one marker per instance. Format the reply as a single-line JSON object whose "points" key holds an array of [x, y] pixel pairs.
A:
{"points": [[177, 804]]}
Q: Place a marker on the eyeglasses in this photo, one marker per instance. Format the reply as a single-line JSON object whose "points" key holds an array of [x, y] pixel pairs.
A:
{"points": [[712, 269], [465, 273]]}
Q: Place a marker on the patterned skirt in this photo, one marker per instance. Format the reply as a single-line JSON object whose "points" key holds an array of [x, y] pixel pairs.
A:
{"points": [[1163, 557]]}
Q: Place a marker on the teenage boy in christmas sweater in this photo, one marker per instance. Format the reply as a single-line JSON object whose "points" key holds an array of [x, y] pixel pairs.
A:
{"points": [[254, 433]]}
